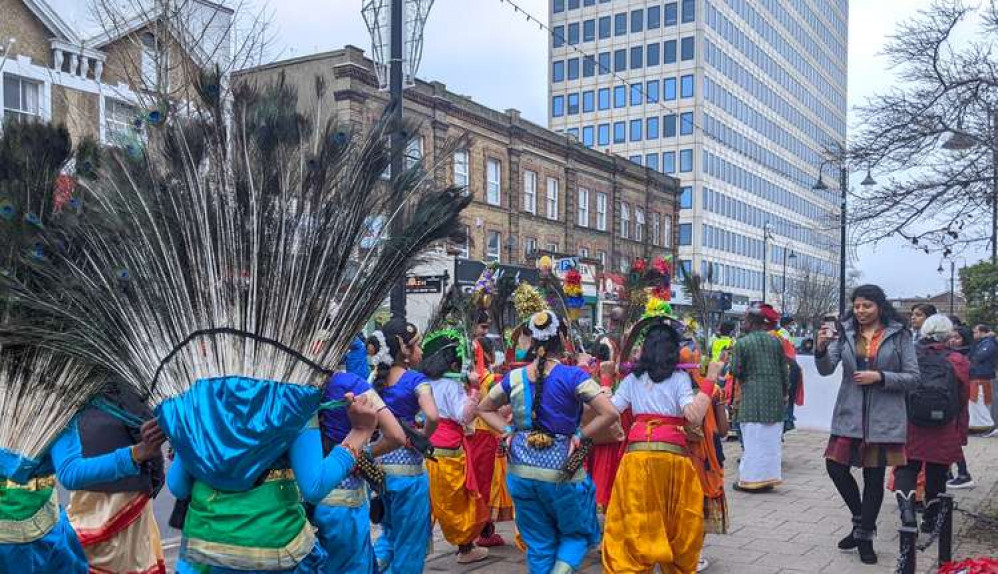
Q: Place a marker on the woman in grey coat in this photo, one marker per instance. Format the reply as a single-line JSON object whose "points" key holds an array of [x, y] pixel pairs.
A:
{"points": [[878, 366]]}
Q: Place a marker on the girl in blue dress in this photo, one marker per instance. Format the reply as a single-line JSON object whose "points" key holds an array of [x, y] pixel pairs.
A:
{"points": [[555, 513], [406, 527], [343, 516]]}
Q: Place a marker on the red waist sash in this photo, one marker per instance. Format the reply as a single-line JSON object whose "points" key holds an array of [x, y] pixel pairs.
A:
{"points": [[449, 434], [658, 428]]}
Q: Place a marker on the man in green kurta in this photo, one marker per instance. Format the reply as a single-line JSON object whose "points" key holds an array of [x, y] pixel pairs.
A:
{"points": [[762, 376]]}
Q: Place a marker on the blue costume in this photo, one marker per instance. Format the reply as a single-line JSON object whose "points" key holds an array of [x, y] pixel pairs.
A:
{"points": [[556, 518], [245, 462], [35, 534], [343, 516], [356, 359], [406, 527]]}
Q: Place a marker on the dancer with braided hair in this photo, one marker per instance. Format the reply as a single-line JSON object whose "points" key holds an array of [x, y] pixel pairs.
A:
{"points": [[655, 517], [555, 514], [459, 505], [406, 526], [343, 516]]}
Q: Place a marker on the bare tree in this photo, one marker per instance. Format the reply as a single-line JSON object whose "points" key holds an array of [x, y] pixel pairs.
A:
{"points": [[812, 294], [162, 47], [939, 191]]}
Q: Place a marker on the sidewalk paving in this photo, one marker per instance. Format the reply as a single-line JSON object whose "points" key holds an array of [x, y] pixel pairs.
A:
{"points": [[793, 529], [796, 527]]}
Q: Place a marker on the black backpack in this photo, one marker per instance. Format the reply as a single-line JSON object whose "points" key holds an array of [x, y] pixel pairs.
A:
{"points": [[935, 400]]}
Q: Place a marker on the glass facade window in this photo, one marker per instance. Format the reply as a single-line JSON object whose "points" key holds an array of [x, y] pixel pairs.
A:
{"points": [[619, 132], [604, 27], [669, 89], [558, 36], [635, 159], [686, 86], [588, 136], [573, 33], [558, 106], [620, 96], [588, 67], [669, 52], [589, 30], [689, 10], [493, 181], [651, 129], [619, 60], [685, 236], [669, 126], [636, 130], [604, 98], [552, 198], [558, 71], [530, 192], [604, 63], [651, 161], [573, 104], [637, 20], [669, 162], [685, 121], [685, 161], [583, 208], [651, 91], [601, 211], [573, 68], [573, 4], [588, 101], [637, 96], [687, 49], [620, 24], [603, 134], [653, 54], [637, 57], [686, 198], [558, 6], [671, 14], [654, 17]]}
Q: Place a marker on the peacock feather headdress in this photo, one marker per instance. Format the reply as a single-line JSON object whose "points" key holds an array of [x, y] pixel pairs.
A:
{"points": [[217, 253]]}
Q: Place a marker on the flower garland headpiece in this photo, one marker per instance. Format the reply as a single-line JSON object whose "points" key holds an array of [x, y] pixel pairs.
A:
{"points": [[543, 326]]}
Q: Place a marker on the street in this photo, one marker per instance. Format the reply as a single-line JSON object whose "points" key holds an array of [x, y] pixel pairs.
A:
{"points": [[791, 530]]}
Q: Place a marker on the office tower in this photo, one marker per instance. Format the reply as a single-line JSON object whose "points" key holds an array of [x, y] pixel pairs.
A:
{"points": [[739, 99]]}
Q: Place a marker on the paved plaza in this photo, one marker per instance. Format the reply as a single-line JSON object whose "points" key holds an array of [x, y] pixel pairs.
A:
{"points": [[795, 528]]}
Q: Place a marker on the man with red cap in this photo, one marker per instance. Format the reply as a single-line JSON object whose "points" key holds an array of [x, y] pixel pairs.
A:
{"points": [[761, 372]]}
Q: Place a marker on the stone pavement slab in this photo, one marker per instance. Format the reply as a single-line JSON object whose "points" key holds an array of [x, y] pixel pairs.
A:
{"points": [[793, 529]]}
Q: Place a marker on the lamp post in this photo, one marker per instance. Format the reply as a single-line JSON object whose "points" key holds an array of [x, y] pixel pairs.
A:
{"points": [[783, 298], [403, 22], [844, 187], [952, 285], [766, 233]]}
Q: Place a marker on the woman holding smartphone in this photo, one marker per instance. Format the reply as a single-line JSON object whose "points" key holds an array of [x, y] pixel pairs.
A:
{"points": [[878, 366]]}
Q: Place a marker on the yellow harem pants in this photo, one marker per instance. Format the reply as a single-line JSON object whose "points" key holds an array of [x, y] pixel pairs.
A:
{"points": [[655, 515], [461, 513]]}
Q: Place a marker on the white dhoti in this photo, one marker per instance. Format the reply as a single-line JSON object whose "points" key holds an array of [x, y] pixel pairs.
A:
{"points": [[980, 415], [762, 462]]}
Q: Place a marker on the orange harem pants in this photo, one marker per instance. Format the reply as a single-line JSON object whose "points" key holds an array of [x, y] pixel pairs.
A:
{"points": [[655, 515], [457, 506]]}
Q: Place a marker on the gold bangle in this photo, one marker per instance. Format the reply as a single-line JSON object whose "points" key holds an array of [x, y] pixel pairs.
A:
{"points": [[355, 453]]}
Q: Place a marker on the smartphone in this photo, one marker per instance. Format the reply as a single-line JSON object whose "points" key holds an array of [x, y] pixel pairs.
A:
{"points": [[830, 323]]}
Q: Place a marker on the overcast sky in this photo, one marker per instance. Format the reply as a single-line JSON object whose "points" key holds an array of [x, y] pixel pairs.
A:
{"points": [[480, 48]]}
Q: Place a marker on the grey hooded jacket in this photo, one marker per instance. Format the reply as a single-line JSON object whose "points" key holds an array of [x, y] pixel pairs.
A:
{"points": [[875, 413]]}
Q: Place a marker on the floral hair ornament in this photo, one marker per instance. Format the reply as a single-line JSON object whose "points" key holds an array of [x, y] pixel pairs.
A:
{"points": [[440, 340], [378, 352], [543, 326]]}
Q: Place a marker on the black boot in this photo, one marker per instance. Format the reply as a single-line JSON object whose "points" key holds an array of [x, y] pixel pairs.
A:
{"points": [[850, 542], [866, 553], [930, 516], [906, 504]]}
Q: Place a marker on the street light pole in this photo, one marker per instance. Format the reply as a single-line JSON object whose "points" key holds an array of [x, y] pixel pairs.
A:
{"points": [[843, 184], [952, 287], [397, 301], [783, 297], [994, 186], [765, 261]]}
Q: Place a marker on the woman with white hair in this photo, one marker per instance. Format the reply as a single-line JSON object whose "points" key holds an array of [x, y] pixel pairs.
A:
{"points": [[937, 420]]}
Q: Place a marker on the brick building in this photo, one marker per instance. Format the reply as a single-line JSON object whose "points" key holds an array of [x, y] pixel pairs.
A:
{"points": [[534, 190], [59, 64]]}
